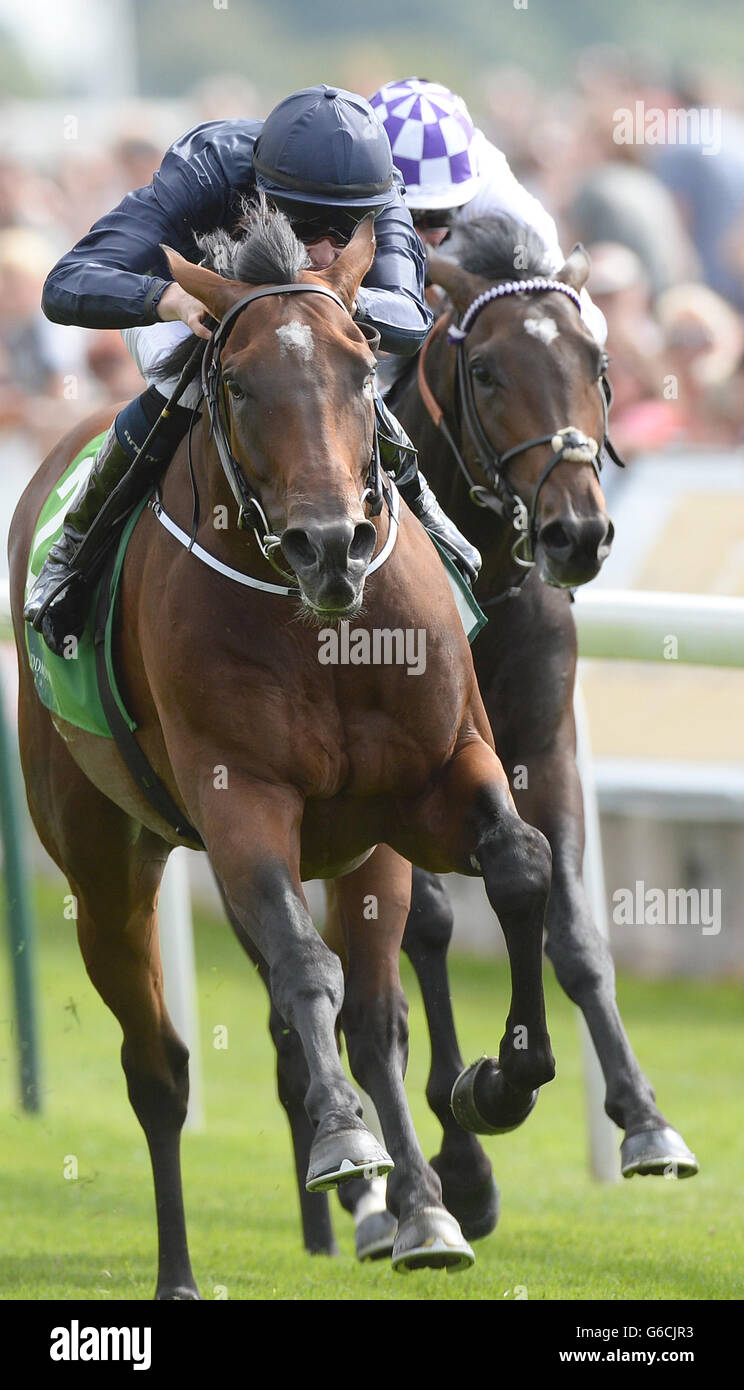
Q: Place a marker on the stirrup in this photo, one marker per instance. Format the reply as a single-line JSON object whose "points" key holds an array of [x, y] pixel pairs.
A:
{"points": [[34, 615]]}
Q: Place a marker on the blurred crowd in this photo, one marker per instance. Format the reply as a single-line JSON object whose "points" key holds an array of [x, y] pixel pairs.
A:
{"points": [[664, 223]]}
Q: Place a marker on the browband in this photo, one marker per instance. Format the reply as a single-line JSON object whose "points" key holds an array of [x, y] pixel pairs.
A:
{"points": [[226, 323], [537, 283]]}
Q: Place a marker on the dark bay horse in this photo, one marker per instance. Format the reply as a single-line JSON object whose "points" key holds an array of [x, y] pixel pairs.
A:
{"points": [[528, 368], [287, 767]]}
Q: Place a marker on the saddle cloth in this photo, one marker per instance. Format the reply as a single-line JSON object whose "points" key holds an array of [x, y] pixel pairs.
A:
{"points": [[67, 685]]}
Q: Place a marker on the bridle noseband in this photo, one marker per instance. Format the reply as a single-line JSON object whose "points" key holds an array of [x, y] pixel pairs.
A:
{"points": [[568, 443], [251, 515]]}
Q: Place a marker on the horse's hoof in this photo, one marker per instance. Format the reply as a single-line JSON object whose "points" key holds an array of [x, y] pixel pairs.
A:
{"points": [[181, 1293], [466, 1112], [375, 1228], [662, 1152], [349, 1153], [431, 1239], [374, 1237], [475, 1207]]}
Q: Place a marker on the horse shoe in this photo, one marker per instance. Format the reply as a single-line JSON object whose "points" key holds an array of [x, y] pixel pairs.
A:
{"points": [[465, 1110]]}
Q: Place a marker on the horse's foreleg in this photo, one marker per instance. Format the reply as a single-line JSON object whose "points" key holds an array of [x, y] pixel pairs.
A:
{"points": [[468, 1187], [253, 837], [117, 931], [514, 858], [292, 1080], [372, 903]]}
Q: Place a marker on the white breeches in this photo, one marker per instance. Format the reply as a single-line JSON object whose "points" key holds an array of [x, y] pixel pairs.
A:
{"points": [[148, 346]]}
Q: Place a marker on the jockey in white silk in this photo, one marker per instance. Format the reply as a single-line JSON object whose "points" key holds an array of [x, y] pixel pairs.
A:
{"points": [[450, 168]]}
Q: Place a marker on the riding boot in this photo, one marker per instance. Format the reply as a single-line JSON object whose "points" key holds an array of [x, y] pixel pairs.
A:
{"points": [[399, 457], [57, 605]]}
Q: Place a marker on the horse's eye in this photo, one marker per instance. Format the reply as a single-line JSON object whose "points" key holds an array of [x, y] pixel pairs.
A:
{"points": [[480, 373], [237, 392], [369, 385]]}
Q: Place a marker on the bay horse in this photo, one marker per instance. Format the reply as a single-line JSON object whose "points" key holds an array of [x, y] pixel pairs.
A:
{"points": [[283, 767]]}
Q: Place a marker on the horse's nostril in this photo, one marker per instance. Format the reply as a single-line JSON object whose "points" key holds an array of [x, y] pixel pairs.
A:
{"points": [[577, 541], [325, 546], [299, 549], [363, 542], [555, 537]]}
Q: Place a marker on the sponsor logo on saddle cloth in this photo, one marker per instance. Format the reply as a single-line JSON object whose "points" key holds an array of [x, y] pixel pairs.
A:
{"points": [[67, 684]]}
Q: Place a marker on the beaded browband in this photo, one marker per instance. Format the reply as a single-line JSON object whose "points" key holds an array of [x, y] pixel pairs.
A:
{"points": [[539, 282]]}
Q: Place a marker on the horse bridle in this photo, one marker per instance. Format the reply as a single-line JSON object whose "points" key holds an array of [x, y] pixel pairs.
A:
{"points": [[568, 443], [251, 515]]}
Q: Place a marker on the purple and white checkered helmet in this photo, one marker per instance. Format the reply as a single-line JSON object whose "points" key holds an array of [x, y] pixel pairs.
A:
{"points": [[433, 142]]}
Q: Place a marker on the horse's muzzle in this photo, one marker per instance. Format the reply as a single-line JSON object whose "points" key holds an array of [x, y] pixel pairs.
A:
{"points": [[575, 548], [330, 560]]}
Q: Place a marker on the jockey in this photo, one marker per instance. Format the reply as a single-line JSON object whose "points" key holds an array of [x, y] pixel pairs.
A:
{"points": [[322, 158], [452, 173]]}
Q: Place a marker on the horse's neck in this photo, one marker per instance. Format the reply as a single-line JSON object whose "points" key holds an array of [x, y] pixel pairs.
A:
{"points": [[493, 536]]}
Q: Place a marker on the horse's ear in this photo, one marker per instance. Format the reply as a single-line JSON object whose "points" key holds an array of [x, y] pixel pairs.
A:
{"points": [[210, 289], [349, 269], [575, 272], [461, 286]]}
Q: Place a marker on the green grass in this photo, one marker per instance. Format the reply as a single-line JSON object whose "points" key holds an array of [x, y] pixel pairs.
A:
{"points": [[561, 1235]]}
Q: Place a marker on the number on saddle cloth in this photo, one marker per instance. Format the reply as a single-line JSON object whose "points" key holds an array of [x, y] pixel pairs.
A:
{"points": [[67, 684]]}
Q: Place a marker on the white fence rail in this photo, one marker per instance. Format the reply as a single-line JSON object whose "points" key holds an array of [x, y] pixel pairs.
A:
{"points": [[640, 625]]}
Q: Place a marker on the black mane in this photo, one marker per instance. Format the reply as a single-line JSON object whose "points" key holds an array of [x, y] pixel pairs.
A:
{"points": [[265, 252], [490, 246]]}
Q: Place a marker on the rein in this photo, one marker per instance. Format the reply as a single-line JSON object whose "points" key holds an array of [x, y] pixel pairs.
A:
{"points": [[251, 515], [567, 443]]}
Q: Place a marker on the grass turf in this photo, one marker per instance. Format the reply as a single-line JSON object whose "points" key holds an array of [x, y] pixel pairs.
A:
{"points": [[561, 1235]]}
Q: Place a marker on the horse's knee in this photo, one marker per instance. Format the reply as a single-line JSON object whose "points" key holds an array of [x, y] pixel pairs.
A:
{"points": [[584, 967], [376, 1030], [158, 1083], [516, 863], [431, 919], [292, 1076], [306, 973]]}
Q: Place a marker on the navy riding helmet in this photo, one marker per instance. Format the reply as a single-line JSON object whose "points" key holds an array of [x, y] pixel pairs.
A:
{"points": [[324, 159]]}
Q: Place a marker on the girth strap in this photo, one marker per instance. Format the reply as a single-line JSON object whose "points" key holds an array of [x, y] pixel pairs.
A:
{"points": [[143, 774]]}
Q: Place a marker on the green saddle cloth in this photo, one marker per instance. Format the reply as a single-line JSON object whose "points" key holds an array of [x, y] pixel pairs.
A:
{"points": [[67, 685], [472, 616]]}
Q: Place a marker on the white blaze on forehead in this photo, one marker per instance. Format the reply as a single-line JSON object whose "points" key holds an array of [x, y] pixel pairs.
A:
{"points": [[296, 337], [546, 329]]}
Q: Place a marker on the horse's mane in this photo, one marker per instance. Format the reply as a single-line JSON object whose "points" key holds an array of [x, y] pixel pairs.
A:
{"points": [[264, 251], [498, 247]]}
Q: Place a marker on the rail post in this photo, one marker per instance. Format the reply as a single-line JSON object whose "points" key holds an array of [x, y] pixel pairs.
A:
{"points": [[20, 925]]}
